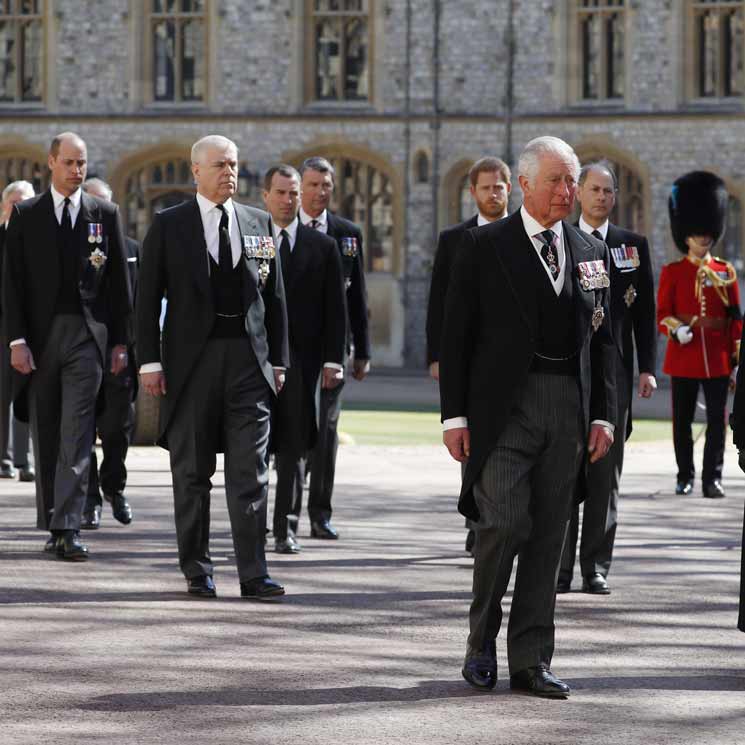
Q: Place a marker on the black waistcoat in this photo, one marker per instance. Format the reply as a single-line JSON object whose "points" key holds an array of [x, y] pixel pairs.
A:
{"points": [[228, 299], [68, 297]]}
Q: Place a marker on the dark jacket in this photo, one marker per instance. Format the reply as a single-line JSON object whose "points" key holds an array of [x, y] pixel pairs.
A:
{"points": [[354, 272], [314, 286], [32, 272], [448, 243], [489, 331], [175, 264]]}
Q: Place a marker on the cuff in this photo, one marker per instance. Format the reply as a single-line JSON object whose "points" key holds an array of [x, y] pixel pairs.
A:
{"points": [[602, 422], [16, 342], [279, 368], [333, 365], [151, 367], [455, 423]]}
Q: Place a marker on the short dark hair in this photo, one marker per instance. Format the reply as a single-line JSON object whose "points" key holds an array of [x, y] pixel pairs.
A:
{"points": [[489, 165], [598, 165], [60, 138], [317, 163], [283, 170]]}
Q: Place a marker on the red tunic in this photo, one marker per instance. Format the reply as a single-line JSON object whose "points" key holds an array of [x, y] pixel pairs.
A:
{"points": [[704, 295]]}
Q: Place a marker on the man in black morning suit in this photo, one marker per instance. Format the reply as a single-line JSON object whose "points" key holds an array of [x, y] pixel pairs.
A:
{"points": [[314, 285], [116, 415], [633, 317], [526, 387], [490, 180], [317, 184], [221, 362], [66, 297]]}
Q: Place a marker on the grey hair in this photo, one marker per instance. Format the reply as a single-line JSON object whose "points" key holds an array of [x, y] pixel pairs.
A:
{"points": [[15, 186], [100, 185], [198, 148], [317, 163], [598, 165], [529, 162]]}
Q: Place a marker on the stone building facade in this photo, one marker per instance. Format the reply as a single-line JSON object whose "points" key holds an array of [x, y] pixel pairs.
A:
{"points": [[402, 95]]}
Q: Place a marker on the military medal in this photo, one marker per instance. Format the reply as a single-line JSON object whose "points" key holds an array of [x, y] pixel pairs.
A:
{"points": [[626, 258], [597, 317], [97, 258], [261, 248], [349, 246], [630, 295], [592, 275], [95, 232]]}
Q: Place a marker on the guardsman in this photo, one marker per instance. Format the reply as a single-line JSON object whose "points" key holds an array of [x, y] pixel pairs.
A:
{"points": [[698, 309], [633, 321]]}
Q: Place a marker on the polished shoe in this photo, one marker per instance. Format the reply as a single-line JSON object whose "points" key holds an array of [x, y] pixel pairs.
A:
{"points": [[26, 473], [684, 487], [50, 547], [480, 667], [470, 540], [261, 588], [119, 508], [323, 529], [287, 545], [595, 584], [91, 519], [713, 490], [563, 585], [539, 681], [202, 586], [70, 548], [7, 471]]}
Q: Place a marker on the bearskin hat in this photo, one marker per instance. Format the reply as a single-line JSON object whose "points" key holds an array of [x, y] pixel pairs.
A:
{"points": [[697, 206]]}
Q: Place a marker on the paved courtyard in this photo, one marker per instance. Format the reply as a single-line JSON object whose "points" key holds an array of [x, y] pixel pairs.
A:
{"points": [[367, 645]]}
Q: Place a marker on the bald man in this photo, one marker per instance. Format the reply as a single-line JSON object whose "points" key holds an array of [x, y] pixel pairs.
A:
{"points": [[66, 298]]}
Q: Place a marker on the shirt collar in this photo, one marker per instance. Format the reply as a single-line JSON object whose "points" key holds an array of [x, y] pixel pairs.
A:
{"points": [[585, 227], [481, 220], [533, 227], [205, 205], [60, 198], [291, 232], [305, 218]]}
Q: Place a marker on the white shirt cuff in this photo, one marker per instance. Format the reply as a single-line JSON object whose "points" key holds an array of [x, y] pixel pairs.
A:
{"points": [[16, 342], [610, 426], [455, 423], [151, 367], [333, 365]]}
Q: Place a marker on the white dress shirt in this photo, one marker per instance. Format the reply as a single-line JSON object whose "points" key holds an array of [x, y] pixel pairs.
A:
{"points": [[587, 228], [211, 215], [322, 221], [481, 220]]}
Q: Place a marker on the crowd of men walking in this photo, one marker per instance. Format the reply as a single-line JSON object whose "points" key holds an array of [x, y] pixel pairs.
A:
{"points": [[243, 323]]}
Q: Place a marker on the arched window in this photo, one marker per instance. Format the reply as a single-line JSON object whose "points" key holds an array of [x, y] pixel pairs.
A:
{"points": [[731, 247], [27, 168], [421, 167], [466, 204]]}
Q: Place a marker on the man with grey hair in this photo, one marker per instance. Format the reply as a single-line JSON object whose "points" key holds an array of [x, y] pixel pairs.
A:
{"points": [[527, 391], [116, 411], [18, 446], [219, 362]]}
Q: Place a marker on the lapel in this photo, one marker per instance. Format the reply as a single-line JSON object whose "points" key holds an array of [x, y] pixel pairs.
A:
{"points": [[613, 239], [578, 250], [192, 230], [48, 224], [249, 225], [300, 255], [331, 225]]}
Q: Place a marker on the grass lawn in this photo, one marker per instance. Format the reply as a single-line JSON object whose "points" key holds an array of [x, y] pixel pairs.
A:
{"points": [[367, 427]]}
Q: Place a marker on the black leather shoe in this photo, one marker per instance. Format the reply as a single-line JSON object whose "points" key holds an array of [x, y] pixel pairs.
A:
{"points": [[595, 584], [7, 471], [470, 540], [91, 519], [287, 545], [26, 473], [202, 586], [684, 487], [563, 585], [480, 667], [323, 529], [119, 508], [70, 548], [50, 547], [539, 681], [713, 490], [261, 588]]}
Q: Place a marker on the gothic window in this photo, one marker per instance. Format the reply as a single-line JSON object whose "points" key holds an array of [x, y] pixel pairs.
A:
{"points": [[26, 168], [601, 35], [421, 168], [339, 44], [718, 48], [21, 50], [178, 41], [731, 247], [466, 207]]}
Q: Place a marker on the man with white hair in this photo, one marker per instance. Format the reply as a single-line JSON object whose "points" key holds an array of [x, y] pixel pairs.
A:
{"points": [[220, 364], [527, 389], [13, 193]]}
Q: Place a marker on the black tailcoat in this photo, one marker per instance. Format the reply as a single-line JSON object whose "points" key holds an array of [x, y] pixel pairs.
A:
{"points": [[489, 332], [448, 243], [175, 264]]}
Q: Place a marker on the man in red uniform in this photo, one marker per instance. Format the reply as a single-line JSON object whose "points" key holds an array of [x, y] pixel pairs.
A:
{"points": [[698, 308]]}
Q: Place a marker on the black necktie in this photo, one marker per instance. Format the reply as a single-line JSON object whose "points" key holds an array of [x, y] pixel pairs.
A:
{"points": [[66, 223], [284, 253], [225, 254], [549, 253], [597, 234], [314, 224]]}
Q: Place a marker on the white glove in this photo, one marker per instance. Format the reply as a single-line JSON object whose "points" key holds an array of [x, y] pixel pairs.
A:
{"points": [[683, 334]]}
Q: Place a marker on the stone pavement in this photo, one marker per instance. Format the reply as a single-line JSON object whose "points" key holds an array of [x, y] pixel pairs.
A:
{"points": [[368, 643]]}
